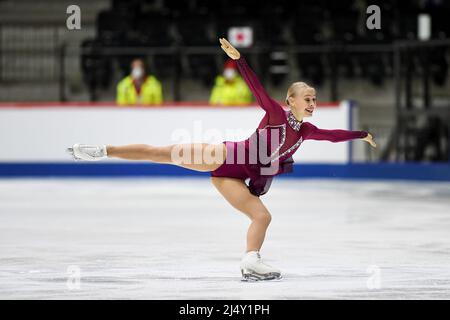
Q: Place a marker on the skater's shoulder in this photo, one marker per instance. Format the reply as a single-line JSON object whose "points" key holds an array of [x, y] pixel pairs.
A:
{"points": [[308, 125]]}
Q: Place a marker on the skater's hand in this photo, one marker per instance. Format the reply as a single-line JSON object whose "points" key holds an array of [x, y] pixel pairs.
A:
{"points": [[229, 49], [370, 140]]}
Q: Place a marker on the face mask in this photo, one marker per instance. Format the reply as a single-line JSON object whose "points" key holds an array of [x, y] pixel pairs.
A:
{"points": [[137, 73], [229, 74]]}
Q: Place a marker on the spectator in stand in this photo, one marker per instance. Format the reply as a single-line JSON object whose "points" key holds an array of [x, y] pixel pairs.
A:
{"points": [[138, 87], [230, 88]]}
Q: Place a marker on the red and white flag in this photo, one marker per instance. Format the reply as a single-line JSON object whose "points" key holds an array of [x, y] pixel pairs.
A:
{"points": [[241, 37]]}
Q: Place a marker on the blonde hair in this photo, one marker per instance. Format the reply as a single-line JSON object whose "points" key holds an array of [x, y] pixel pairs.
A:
{"points": [[294, 87]]}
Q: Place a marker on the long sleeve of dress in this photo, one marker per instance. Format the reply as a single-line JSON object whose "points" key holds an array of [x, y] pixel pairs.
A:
{"points": [[262, 97], [335, 135]]}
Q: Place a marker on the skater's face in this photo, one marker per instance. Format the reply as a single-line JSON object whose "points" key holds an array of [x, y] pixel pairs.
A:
{"points": [[303, 101]]}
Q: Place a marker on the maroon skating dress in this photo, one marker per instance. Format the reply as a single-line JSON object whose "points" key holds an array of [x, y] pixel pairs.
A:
{"points": [[259, 158]]}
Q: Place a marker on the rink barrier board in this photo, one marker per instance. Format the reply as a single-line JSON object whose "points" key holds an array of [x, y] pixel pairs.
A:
{"points": [[402, 171], [41, 132]]}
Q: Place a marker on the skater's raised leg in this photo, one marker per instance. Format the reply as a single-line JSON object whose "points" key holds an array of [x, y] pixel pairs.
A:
{"points": [[194, 156]]}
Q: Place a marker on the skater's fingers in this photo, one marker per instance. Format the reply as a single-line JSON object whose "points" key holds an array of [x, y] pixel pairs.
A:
{"points": [[226, 42], [227, 51]]}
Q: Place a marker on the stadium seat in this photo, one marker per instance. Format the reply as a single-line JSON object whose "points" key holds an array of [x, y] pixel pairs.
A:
{"points": [[112, 27], [96, 68]]}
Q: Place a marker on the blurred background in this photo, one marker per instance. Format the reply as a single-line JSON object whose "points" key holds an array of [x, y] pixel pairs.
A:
{"points": [[397, 75]]}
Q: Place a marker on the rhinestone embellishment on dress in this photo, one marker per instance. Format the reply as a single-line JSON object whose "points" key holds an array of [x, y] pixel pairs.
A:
{"points": [[294, 123], [295, 145]]}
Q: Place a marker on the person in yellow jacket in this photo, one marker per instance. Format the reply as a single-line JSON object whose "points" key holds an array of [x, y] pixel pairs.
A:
{"points": [[230, 88], [138, 87]]}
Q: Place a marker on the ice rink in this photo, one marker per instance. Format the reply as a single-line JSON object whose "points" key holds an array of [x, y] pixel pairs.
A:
{"points": [[178, 239]]}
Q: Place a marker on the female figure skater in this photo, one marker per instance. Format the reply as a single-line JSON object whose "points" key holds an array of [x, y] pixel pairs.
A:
{"points": [[234, 162]]}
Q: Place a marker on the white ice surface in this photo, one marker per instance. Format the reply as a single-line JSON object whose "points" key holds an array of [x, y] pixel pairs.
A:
{"points": [[178, 239]]}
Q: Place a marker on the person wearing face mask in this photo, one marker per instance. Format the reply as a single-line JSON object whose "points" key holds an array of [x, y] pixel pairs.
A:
{"points": [[230, 88], [138, 88]]}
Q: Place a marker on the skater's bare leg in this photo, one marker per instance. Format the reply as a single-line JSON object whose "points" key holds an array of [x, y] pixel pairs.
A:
{"points": [[195, 156], [237, 194], [235, 191], [140, 152]]}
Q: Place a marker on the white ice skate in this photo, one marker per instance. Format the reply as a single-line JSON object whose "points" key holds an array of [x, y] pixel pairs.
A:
{"points": [[253, 269], [87, 152]]}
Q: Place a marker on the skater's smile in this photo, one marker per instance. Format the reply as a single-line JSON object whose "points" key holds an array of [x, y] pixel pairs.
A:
{"points": [[311, 101]]}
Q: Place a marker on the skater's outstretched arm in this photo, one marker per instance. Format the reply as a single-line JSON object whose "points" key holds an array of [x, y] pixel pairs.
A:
{"points": [[338, 135], [262, 97]]}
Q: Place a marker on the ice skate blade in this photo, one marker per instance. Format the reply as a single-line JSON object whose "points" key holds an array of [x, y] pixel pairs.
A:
{"points": [[247, 278], [250, 276]]}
